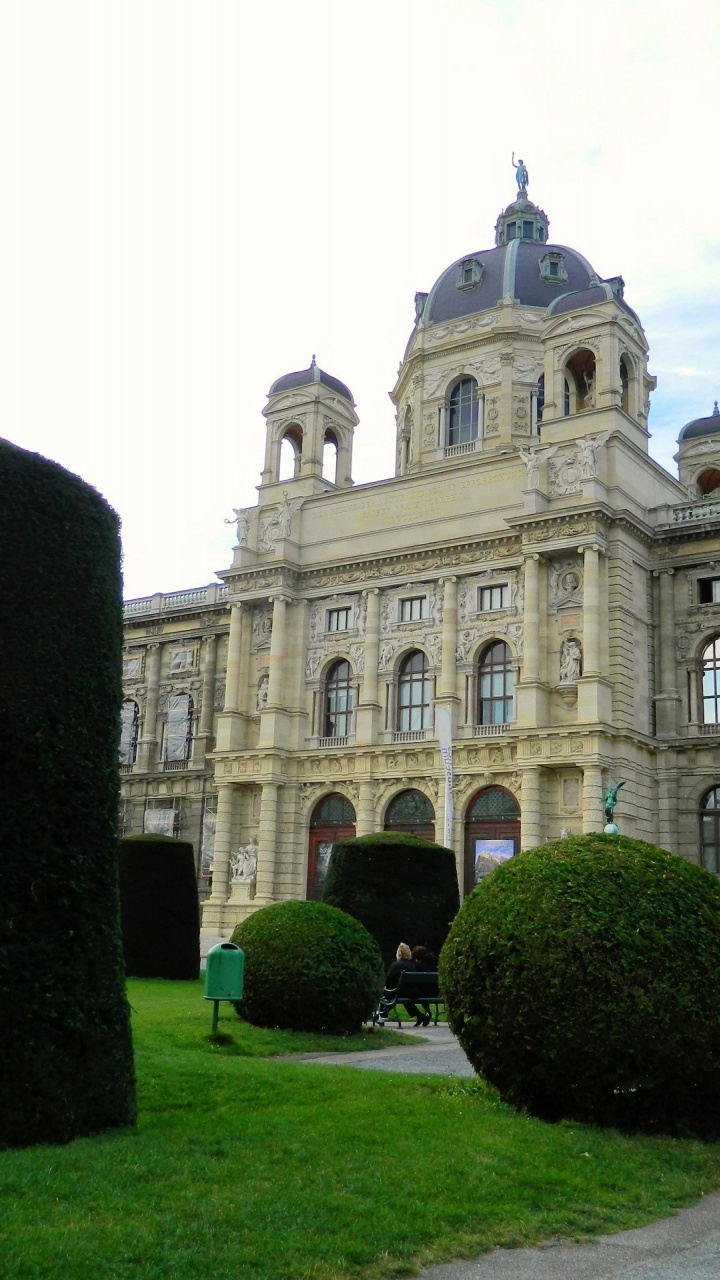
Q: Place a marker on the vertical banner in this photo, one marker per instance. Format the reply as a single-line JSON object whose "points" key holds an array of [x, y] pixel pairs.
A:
{"points": [[443, 728]]}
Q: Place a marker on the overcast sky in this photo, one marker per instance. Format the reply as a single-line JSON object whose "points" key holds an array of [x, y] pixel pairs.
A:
{"points": [[199, 194]]}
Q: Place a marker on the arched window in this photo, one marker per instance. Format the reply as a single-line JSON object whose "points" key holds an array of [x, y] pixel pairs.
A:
{"points": [[540, 399], [414, 693], [463, 413], [624, 385], [330, 458], [566, 397], [129, 717], [492, 833], [338, 700], [177, 741], [708, 481], [496, 680], [290, 453], [333, 819], [580, 378], [411, 811], [711, 682], [710, 830]]}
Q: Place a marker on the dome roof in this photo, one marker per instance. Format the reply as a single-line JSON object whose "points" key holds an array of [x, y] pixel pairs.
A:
{"points": [[305, 378], [702, 426], [550, 276], [522, 267]]}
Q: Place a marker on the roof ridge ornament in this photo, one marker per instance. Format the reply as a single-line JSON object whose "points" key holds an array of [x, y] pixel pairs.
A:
{"points": [[521, 175], [716, 411]]}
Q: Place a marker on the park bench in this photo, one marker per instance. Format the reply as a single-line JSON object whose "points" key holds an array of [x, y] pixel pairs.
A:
{"points": [[419, 988]]}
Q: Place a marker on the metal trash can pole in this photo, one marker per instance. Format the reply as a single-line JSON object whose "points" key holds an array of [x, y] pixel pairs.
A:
{"points": [[224, 976]]}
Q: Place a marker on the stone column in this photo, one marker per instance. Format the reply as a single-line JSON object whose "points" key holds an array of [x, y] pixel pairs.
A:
{"points": [[366, 715], [593, 817], [667, 700], [233, 659], [365, 823], [531, 619], [591, 611], [223, 842], [267, 842], [530, 809], [447, 684], [277, 652], [207, 710], [147, 746]]}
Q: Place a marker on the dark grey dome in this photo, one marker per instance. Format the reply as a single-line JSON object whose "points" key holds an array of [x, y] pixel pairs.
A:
{"points": [[305, 378], [520, 270], [709, 426]]}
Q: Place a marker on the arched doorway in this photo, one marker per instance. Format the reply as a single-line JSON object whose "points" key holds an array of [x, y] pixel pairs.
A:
{"points": [[411, 811], [492, 833], [333, 818]]}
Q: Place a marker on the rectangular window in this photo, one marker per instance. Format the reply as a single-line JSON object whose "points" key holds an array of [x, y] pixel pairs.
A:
{"points": [[527, 230], [182, 660], [160, 818], [413, 609], [132, 668], [493, 598], [338, 619], [709, 590]]}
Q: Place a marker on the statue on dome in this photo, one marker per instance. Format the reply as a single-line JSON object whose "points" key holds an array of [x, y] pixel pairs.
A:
{"points": [[521, 175]]}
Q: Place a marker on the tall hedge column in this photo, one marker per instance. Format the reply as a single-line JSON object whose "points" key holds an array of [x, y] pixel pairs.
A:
{"points": [[267, 843], [147, 746]]}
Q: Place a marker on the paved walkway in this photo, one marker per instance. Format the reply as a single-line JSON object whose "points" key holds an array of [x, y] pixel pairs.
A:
{"points": [[684, 1247]]}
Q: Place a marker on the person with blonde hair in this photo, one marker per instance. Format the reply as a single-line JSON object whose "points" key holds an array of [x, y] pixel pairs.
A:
{"points": [[403, 960]]}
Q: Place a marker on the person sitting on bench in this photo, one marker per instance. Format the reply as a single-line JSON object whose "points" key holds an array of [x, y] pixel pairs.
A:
{"points": [[426, 962], [403, 960]]}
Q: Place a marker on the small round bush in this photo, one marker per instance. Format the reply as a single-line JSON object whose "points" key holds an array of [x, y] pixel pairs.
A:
{"points": [[582, 980], [308, 967]]}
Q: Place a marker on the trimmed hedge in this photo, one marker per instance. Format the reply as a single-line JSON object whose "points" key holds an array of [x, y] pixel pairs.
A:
{"points": [[401, 887], [581, 979], [308, 967], [159, 908], [65, 1049]]}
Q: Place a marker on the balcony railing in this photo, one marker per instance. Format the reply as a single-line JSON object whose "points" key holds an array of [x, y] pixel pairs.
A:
{"points": [[490, 730], [689, 512], [174, 766], [453, 450], [708, 728], [333, 742], [191, 599], [410, 735]]}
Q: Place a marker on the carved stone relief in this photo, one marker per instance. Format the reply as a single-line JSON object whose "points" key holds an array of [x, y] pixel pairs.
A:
{"points": [[566, 583], [521, 415], [492, 416], [592, 343], [261, 628]]}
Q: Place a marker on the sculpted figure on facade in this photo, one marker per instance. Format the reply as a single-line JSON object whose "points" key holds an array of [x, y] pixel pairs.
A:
{"points": [[241, 520], [588, 449], [570, 660], [261, 628], [262, 692], [532, 459], [243, 863], [566, 578]]}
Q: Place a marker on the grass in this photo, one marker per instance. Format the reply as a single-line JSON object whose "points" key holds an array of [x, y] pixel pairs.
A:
{"points": [[271, 1170]]}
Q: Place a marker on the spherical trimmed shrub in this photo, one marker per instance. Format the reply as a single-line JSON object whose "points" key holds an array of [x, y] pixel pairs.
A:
{"points": [[308, 967], [401, 887], [581, 979]]}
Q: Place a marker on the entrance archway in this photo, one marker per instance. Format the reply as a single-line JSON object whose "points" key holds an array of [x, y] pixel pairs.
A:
{"points": [[333, 818], [492, 833], [411, 811]]}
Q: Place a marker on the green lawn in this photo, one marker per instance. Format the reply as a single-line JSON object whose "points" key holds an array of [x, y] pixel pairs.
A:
{"points": [[243, 1167]]}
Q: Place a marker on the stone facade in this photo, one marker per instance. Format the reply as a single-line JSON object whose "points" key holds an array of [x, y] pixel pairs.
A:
{"points": [[529, 569]]}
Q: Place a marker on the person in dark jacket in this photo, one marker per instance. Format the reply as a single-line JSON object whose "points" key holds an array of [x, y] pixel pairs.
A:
{"points": [[403, 960], [426, 962]]}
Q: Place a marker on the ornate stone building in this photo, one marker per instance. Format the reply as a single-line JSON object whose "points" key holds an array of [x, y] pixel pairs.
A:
{"points": [[530, 583]]}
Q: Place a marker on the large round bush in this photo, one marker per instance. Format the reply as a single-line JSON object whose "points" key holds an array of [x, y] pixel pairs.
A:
{"points": [[308, 967], [582, 980]]}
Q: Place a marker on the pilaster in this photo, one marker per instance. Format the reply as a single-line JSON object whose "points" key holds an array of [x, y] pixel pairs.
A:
{"points": [[147, 746], [668, 699]]}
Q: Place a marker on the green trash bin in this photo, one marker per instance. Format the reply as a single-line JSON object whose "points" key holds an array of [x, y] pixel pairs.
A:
{"points": [[224, 975]]}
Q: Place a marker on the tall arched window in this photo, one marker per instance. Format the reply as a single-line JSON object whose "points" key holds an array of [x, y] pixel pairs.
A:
{"points": [[711, 682], [129, 717], [338, 701], [540, 399], [710, 830], [177, 742], [290, 453], [463, 413], [411, 811], [414, 693], [330, 458], [496, 680], [492, 833], [624, 385], [580, 374], [333, 819]]}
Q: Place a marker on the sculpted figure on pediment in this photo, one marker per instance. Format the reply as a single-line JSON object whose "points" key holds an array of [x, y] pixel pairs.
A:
{"points": [[261, 628], [566, 583]]}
